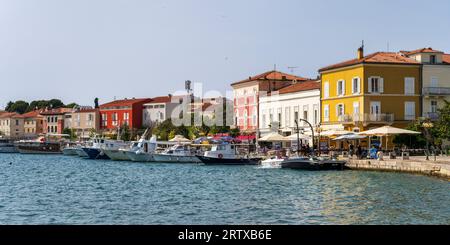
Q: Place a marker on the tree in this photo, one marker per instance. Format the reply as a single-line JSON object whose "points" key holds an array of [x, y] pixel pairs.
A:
{"points": [[72, 105], [70, 132], [19, 106], [96, 103], [125, 133], [56, 103], [442, 126]]}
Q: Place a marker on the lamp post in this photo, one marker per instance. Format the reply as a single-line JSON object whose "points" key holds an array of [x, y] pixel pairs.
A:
{"points": [[312, 131], [427, 126]]}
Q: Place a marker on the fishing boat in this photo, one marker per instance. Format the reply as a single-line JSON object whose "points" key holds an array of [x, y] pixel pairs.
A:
{"points": [[144, 151], [50, 144], [226, 154], [119, 152], [180, 153], [95, 150], [313, 164], [7, 146]]}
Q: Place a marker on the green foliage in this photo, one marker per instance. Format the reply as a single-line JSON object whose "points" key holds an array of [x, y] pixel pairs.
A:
{"points": [[442, 126], [125, 133], [235, 132], [72, 105], [70, 132], [19, 106]]}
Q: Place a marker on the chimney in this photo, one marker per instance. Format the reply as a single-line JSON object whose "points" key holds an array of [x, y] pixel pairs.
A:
{"points": [[361, 52]]}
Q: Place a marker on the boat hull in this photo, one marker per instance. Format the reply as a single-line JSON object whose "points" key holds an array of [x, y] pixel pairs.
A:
{"points": [[70, 151], [165, 158], [117, 155], [47, 149], [95, 154], [314, 165], [229, 161], [8, 149], [140, 157], [81, 153]]}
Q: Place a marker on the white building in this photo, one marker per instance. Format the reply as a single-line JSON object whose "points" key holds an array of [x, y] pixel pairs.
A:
{"points": [[159, 109], [284, 106]]}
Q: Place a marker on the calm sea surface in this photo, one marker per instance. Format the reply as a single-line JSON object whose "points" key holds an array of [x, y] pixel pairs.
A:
{"points": [[38, 189]]}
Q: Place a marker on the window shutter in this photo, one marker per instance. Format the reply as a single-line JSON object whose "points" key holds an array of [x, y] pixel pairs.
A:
{"points": [[370, 85], [327, 90], [337, 88], [343, 87], [381, 85], [359, 85]]}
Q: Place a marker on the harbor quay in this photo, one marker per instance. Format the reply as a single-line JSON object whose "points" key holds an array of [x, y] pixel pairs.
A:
{"points": [[415, 165]]}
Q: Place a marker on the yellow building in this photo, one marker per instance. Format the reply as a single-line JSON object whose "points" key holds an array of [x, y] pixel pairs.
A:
{"points": [[370, 91]]}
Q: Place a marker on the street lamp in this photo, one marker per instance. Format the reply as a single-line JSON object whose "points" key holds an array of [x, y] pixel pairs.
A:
{"points": [[427, 126], [298, 132]]}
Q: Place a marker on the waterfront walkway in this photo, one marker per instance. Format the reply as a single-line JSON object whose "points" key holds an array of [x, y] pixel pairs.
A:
{"points": [[417, 165]]}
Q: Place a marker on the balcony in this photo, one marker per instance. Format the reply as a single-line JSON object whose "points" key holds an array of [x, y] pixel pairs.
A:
{"points": [[434, 116], [383, 118], [349, 119], [436, 91]]}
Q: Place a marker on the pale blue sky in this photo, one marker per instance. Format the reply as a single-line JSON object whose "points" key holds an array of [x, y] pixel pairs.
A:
{"points": [[77, 50]]}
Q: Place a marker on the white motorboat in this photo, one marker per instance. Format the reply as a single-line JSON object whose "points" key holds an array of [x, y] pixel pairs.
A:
{"points": [[144, 151], [121, 153], [180, 153], [71, 149], [273, 162], [226, 154]]}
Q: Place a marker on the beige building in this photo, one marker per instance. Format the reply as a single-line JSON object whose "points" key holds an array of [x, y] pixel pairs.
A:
{"points": [[83, 121], [33, 124], [435, 79], [11, 125]]}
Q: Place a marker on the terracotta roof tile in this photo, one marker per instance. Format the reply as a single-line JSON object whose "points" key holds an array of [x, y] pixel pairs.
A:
{"points": [[58, 111], [31, 114], [422, 50], [446, 58], [301, 86], [126, 102], [375, 58], [9, 115], [161, 99], [272, 75]]}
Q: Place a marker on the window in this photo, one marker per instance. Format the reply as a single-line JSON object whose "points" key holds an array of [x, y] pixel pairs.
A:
{"points": [[409, 85], [434, 82], [340, 110], [432, 59], [316, 114], [245, 118], [326, 90], [434, 106], [341, 88], [287, 116], [410, 111], [17, 122], [263, 122], [126, 118], [271, 115], [356, 111], [279, 116], [305, 113], [356, 85], [376, 85], [326, 113], [295, 113]]}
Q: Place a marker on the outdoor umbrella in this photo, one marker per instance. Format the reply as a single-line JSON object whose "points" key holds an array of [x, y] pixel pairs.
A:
{"points": [[387, 131], [274, 137], [331, 133], [179, 138], [300, 136], [350, 137]]}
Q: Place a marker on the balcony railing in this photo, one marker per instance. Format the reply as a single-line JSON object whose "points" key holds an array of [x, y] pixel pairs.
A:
{"points": [[379, 118], [433, 115], [436, 91]]}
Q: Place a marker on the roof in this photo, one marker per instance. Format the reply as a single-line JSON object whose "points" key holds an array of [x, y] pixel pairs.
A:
{"points": [[301, 86], [161, 99], [31, 114], [375, 58], [126, 102], [9, 115], [86, 110], [271, 75], [446, 58], [58, 111], [422, 50]]}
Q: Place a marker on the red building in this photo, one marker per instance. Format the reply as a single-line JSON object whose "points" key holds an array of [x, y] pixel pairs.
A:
{"points": [[120, 112]]}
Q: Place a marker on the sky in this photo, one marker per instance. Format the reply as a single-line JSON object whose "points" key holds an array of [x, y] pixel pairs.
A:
{"points": [[77, 50]]}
